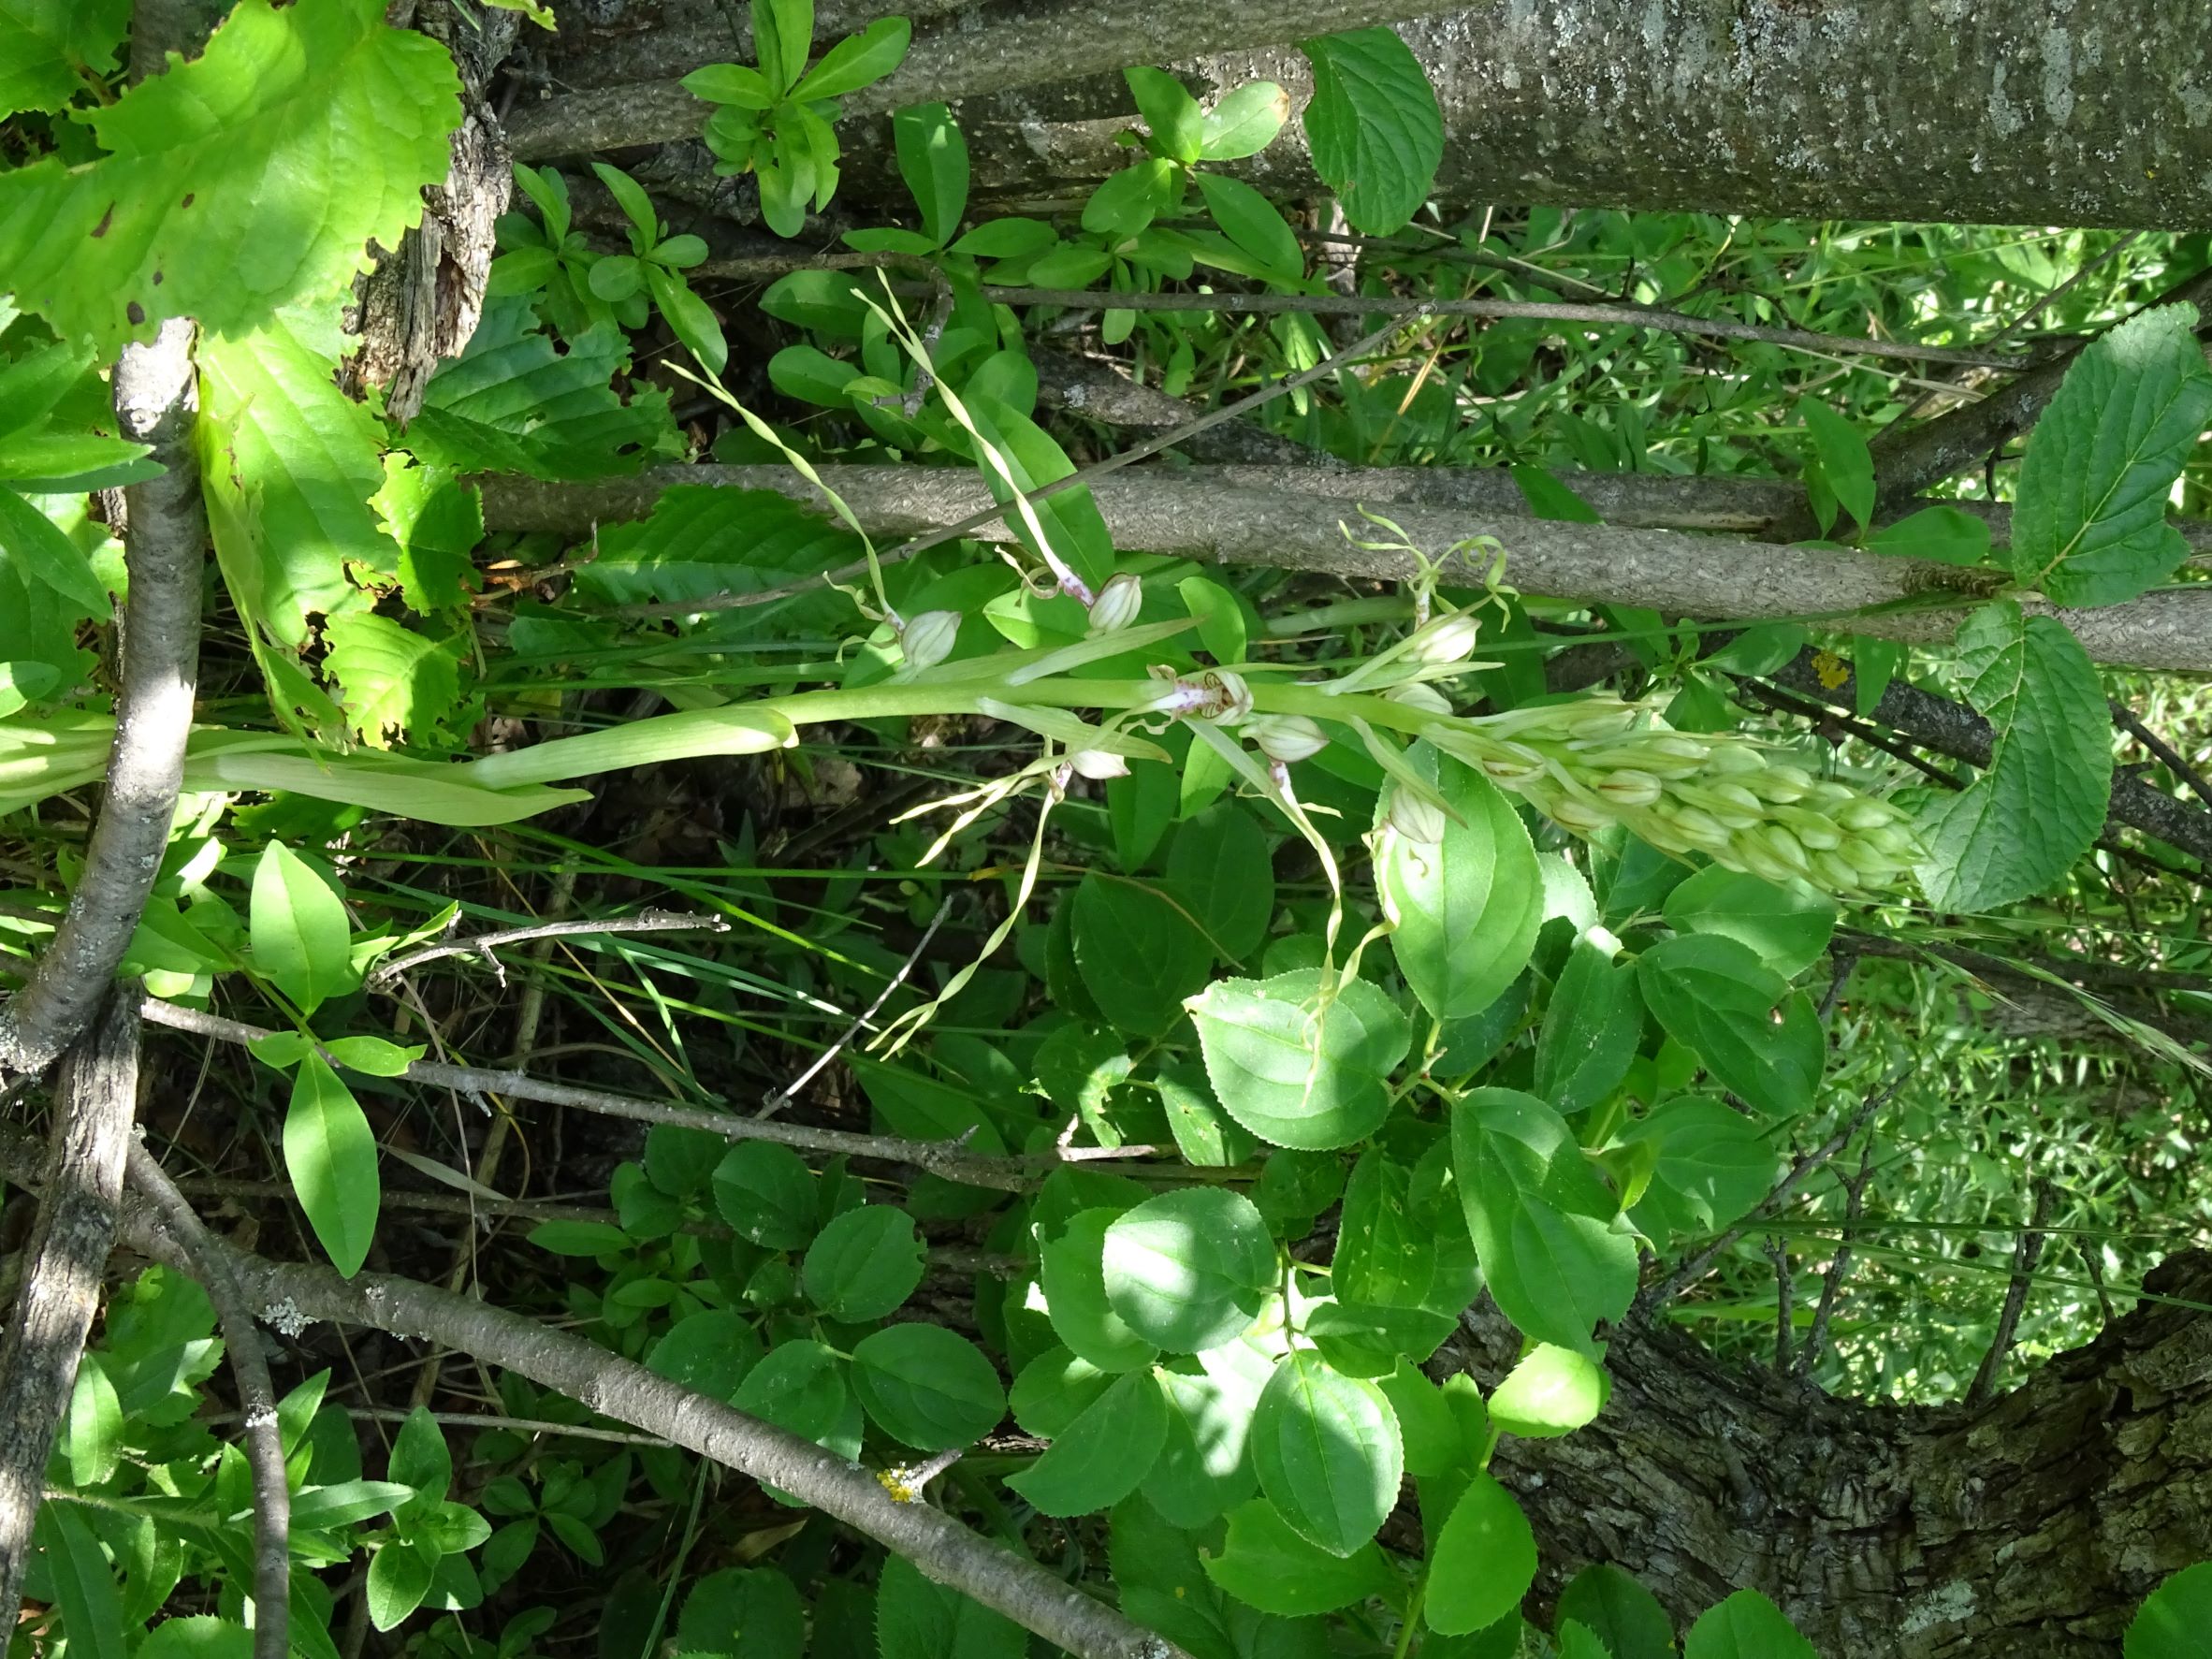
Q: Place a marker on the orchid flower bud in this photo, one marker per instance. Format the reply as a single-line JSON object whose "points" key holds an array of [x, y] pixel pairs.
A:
{"points": [[1118, 604], [1286, 737], [928, 639], [1415, 818], [1447, 639], [1421, 694], [1098, 764]]}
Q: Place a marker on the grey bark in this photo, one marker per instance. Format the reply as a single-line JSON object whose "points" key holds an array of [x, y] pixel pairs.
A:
{"points": [[2045, 111], [256, 1400], [1201, 517], [2029, 1528], [95, 1100], [156, 402]]}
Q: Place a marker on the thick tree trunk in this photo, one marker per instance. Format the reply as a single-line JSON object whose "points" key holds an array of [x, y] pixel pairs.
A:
{"points": [[2039, 111], [2029, 1528]]}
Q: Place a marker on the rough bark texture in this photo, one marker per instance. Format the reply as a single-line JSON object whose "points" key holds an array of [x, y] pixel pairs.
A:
{"points": [[83, 1184], [156, 402], [2044, 112], [1198, 516], [2029, 1528], [421, 304]]}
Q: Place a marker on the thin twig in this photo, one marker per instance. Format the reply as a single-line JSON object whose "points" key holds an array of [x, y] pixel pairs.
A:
{"points": [[2095, 1269], [2026, 1254], [1543, 310], [1787, 703], [1839, 976], [2165, 751], [1832, 1285], [257, 1398], [1098, 468], [948, 1158], [483, 944], [157, 404], [1692, 1270], [484, 1420], [782, 1097], [1785, 1307]]}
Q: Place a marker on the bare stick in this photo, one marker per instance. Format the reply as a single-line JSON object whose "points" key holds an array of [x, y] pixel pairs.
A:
{"points": [[614, 1387], [82, 1187], [257, 1398], [156, 403], [2026, 1254], [1692, 1270], [1785, 1307], [782, 1097], [1097, 470], [1838, 1266], [483, 944], [948, 1158], [2165, 751]]}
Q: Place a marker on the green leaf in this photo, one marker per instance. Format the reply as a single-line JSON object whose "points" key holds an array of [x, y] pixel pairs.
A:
{"points": [[92, 1436], [369, 1055], [1374, 127], [1745, 1626], [711, 1351], [1098, 1458], [933, 160], [690, 319], [1548, 497], [1202, 1470], [83, 1582], [1072, 518], [1327, 1451], [1169, 111], [767, 1192], [40, 551], [392, 681], [328, 1507], [2041, 803], [1846, 465], [48, 47], [302, 941], [1072, 1269], [746, 1613], [926, 1387], [1137, 954], [2090, 520], [201, 1637], [1053, 1389], [864, 1264], [420, 1461], [1944, 534], [1244, 122], [1250, 220], [1188, 1270], [1713, 1165], [1468, 908], [1591, 1032], [1788, 926], [1482, 1561], [1714, 994], [1131, 199], [1266, 1564], [1297, 1073], [782, 37], [725, 83], [2172, 1623], [330, 1153], [856, 61], [579, 1238], [918, 1619], [1012, 237], [800, 1387], [1402, 1240], [201, 207], [702, 541], [1623, 1616], [1551, 1391], [399, 1577], [1875, 663], [1540, 1218], [1220, 868], [1139, 806]]}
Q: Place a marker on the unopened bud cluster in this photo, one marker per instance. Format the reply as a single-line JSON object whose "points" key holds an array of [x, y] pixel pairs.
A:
{"points": [[1600, 760]]}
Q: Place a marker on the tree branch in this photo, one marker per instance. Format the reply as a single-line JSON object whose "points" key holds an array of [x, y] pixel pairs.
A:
{"points": [[95, 1098], [156, 403], [257, 1398], [616, 1388], [1028, 47], [483, 944], [1193, 514]]}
